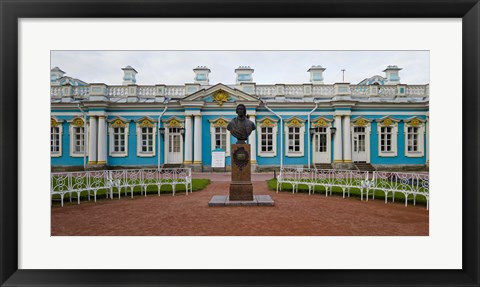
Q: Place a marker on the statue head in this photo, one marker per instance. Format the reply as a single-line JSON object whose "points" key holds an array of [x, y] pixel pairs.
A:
{"points": [[241, 110]]}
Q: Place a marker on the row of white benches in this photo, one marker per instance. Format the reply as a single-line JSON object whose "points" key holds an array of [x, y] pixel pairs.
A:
{"points": [[115, 180], [409, 184]]}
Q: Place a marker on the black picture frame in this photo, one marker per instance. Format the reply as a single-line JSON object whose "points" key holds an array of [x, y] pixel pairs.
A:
{"points": [[11, 11]]}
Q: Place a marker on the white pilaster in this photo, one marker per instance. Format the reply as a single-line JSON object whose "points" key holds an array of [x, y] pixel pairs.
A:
{"points": [[347, 142], [102, 141], [252, 140], [188, 139], [92, 141], [197, 153], [337, 156]]}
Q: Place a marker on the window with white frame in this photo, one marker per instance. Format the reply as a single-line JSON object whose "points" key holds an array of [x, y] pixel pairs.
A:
{"points": [[387, 131], [77, 140], [414, 138], [118, 138], [56, 130], [147, 140], [146, 133], [386, 139], [267, 137], [220, 136], [295, 137], [55, 140]]}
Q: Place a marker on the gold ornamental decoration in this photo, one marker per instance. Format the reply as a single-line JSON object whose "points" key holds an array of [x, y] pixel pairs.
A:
{"points": [[221, 97], [173, 124], [118, 123], [145, 123], [387, 122], [267, 123], [221, 123], [321, 123], [294, 123], [54, 123], [361, 122], [78, 122], [414, 122]]}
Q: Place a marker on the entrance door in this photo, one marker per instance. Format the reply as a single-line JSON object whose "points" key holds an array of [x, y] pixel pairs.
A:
{"points": [[321, 149], [359, 146], [174, 146]]}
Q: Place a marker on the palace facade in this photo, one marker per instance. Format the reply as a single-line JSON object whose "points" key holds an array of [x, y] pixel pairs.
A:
{"points": [[379, 121]]}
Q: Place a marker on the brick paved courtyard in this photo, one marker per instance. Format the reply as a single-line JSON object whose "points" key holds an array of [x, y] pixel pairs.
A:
{"points": [[292, 215]]}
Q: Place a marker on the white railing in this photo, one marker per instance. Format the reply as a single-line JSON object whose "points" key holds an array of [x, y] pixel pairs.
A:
{"points": [[387, 91], [416, 91], [82, 92], [56, 92], [175, 91], [266, 91], [146, 91], [294, 90], [117, 91], [323, 90], [360, 90], [91, 181], [410, 185]]}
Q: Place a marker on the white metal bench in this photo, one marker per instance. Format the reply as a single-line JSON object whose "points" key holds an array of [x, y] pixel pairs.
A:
{"points": [[409, 184], [92, 181], [288, 175]]}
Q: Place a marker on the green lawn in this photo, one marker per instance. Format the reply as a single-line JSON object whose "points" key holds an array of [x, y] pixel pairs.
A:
{"points": [[399, 197], [197, 184]]}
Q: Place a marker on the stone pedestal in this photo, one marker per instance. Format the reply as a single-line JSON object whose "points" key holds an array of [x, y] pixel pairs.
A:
{"points": [[241, 188]]}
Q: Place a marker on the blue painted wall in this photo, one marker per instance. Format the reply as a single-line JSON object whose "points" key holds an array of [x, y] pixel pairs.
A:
{"points": [[133, 160]]}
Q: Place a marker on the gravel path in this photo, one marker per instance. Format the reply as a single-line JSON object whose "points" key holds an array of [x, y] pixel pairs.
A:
{"points": [[293, 215]]}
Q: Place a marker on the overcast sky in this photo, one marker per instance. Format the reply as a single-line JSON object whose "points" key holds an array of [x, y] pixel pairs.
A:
{"points": [[289, 67]]}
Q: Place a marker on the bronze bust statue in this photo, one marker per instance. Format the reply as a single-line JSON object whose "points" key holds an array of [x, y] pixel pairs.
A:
{"points": [[241, 127]]}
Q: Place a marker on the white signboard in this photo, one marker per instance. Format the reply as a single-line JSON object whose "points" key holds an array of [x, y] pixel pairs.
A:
{"points": [[218, 159]]}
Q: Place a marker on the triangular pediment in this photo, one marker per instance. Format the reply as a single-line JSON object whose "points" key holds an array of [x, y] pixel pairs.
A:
{"points": [[220, 94]]}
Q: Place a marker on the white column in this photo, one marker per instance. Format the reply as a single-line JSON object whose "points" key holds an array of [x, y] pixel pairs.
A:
{"points": [[337, 155], [188, 139], [197, 152], [102, 141], [252, 140], [427, 127], [347, 143], [92, 141]]}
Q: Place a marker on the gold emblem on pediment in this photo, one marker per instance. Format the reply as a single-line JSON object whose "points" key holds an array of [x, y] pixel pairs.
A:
{"points": [[221, 123], [295, 123], [414, 122], [221, 97], [146, 123], [78, 122], [387, 122], [267, 123], [118, 123], [54, 123], [321, 123], [361, 122]]}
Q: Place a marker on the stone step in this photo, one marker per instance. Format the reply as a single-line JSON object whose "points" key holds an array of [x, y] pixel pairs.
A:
{"points": [[172, 165], [364, 166], [323, 166]]}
